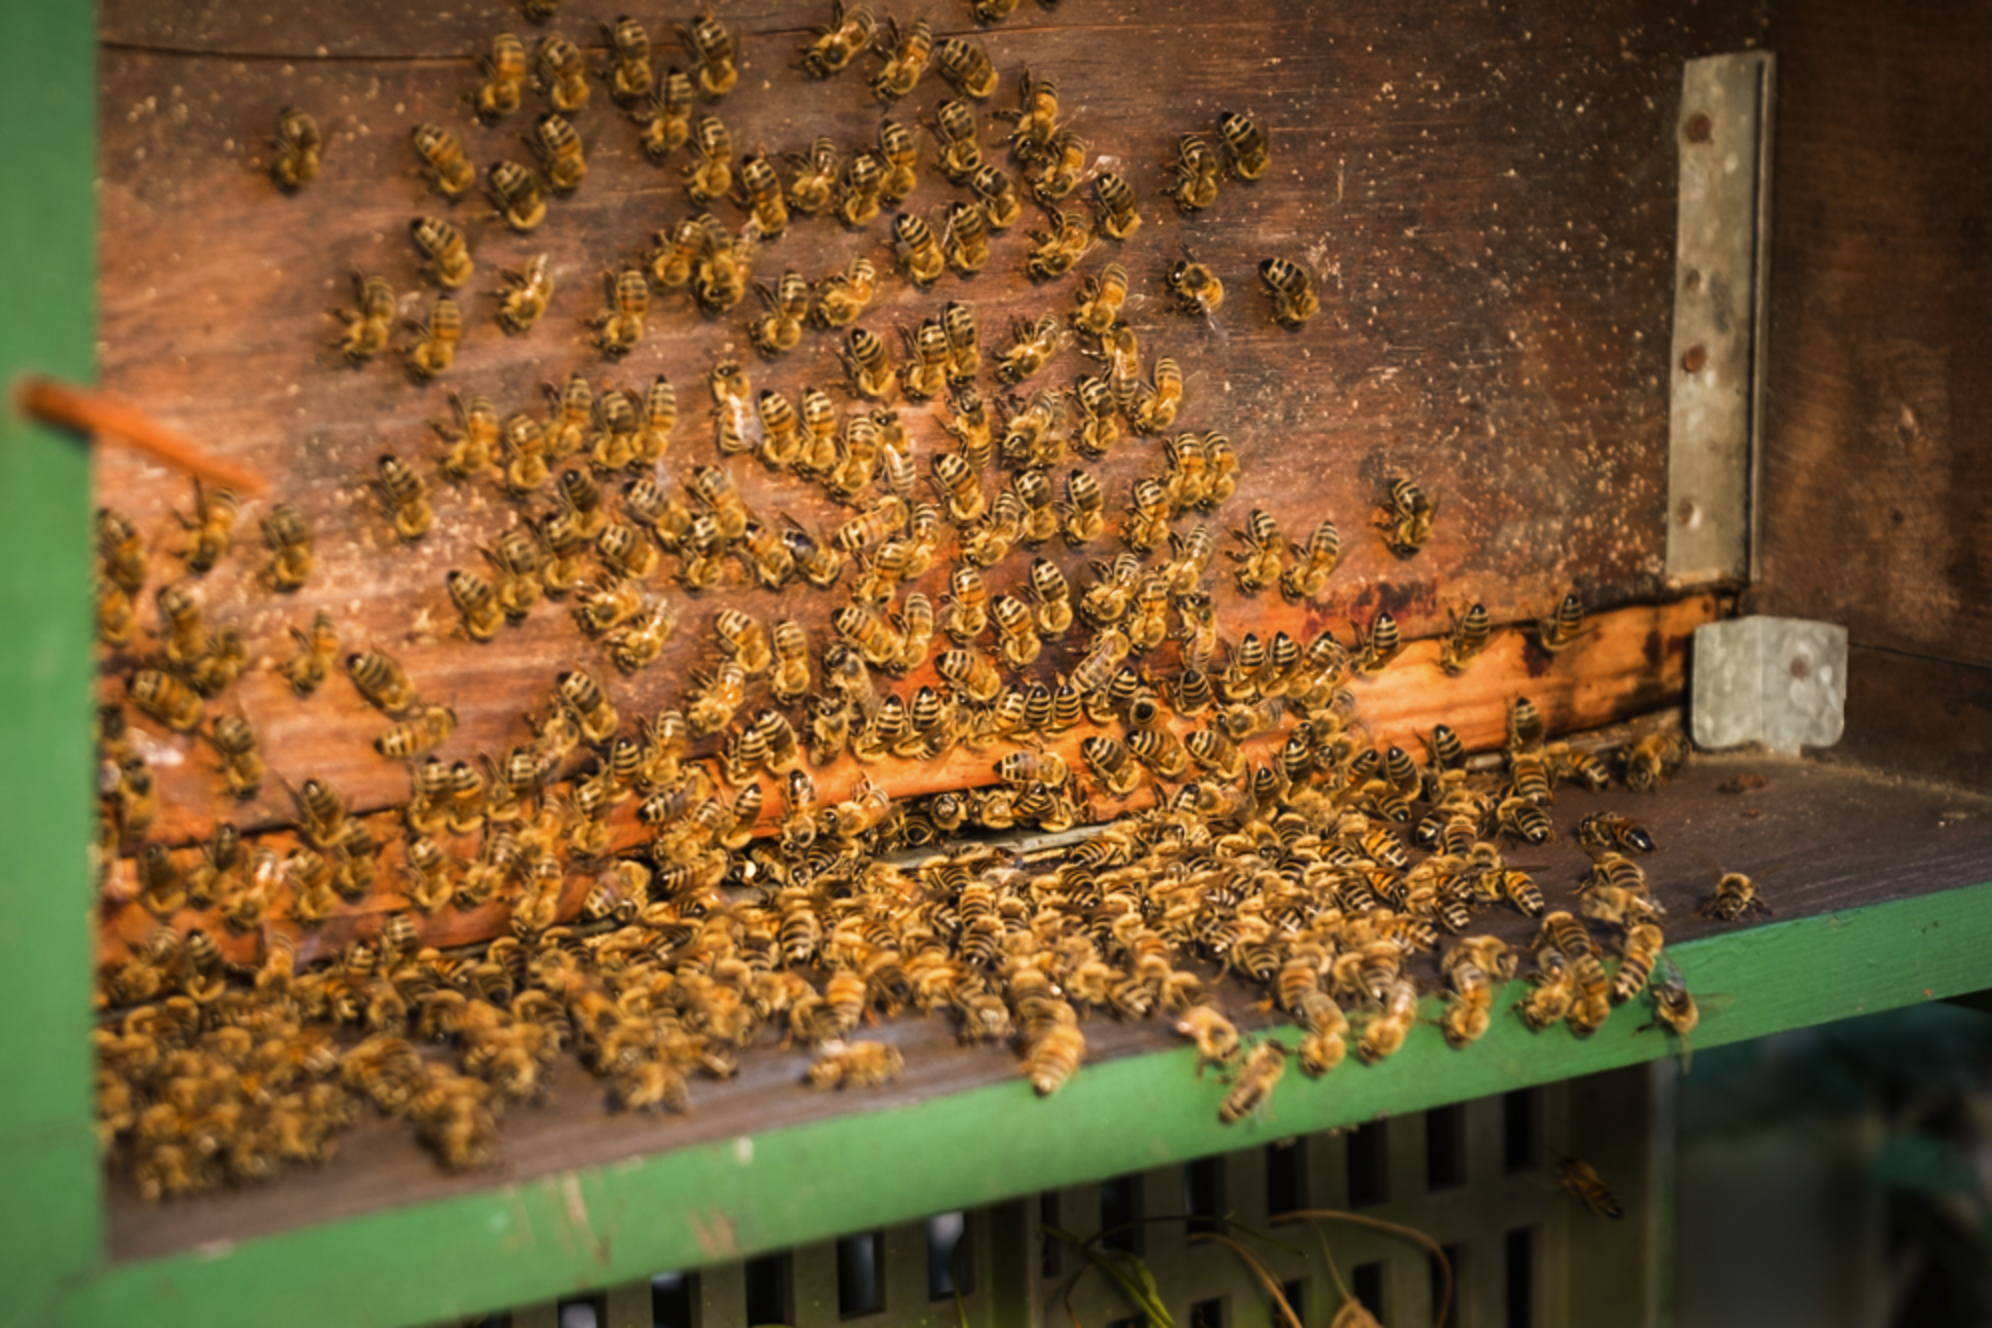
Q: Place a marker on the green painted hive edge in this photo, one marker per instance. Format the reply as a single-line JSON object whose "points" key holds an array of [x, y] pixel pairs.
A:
{"points": [[720, 1201]]}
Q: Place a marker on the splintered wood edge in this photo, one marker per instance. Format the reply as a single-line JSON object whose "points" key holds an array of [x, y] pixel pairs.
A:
{"points": [[1627, 662]]}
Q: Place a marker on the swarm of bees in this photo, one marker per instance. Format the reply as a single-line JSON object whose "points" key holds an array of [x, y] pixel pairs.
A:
{"points": [[1239, 825]]}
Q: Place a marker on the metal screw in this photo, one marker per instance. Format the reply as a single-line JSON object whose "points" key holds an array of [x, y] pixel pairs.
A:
{"points": [[1685, 513], [1700, 128], [1695, 358]]}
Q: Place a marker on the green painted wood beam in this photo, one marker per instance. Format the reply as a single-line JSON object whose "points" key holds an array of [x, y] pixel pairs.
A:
{"points": [[720, 1201], [51, 1221]]}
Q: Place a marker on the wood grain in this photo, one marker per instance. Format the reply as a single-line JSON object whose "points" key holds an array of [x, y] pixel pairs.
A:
{"points": [[1875, 471]]}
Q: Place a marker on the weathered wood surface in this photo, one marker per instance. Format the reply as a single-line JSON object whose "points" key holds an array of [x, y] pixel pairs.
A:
{"points": [[1628, 663], [1819, 839], [1875, 471]]}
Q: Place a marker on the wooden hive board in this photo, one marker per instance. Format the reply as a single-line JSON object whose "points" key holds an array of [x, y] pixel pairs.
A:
{"points": [[1489, 222]]}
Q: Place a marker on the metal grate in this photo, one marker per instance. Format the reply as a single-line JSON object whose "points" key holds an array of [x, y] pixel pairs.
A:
{"points": [[1475, 1177]]}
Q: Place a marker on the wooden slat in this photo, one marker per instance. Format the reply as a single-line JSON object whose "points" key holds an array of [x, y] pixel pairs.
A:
{"points": [[1627, 663]]}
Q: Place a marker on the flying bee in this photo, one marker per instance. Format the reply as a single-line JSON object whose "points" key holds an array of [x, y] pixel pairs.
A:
{"points": [[1264, 557], [867, 366], [1059, 249], [629, 81], [289, 541], [1194, 174], [996, 194], [404, 495], [1195, 288], [708, 39], [620, 326], [1582, 1181], [1674, 1007], [562, 72], [504, 85], [833, 46], [1313, 562], [665, 116], [241, 759], [380, 681], [908, 52], [445, 256], [1252, 1086], [1294, 300], [412, 738], [371, 323], [957, 133], [525, 296], [298, 146], [1734, 897], [562, 158], [1246, 142], [1406, 519], [1653, 760]]}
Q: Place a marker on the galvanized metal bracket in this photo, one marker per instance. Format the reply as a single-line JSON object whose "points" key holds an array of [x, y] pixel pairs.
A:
{"points": [[1781, 682], [1723, 243]]}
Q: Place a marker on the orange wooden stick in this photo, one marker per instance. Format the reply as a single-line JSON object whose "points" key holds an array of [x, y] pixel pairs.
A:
{"points": [[102, 417]]}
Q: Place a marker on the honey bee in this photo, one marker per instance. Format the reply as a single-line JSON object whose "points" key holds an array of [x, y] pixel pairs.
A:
{"points": [[996, 195], [834, 45], [289, 541], [1194, 174], [504, 71], [1114, 206], [1017, 640], [562, 72], [444, 161], [1653, 760], [1734, 897], [1313, 562], [1252, 1087], [1082, 516], [867, 366], [620, 326], [919, 252], [316, 649], [966, 241], [1110, 763], [562, 158], [242, 761], [860, 198], [957, 133], [1195, 288], [429, 728], [713, 487], [1674, 1008], [1561, 629], [812, 190], [298, 146], [765, 198], [781, 327], [382, 682], [1468, 637], [1406, 519], [1263, 559], [445, 255], [629, 81], [1610, 830], [434, 349], [1246, 143], [1582, 1181], [526, 295], [474, 438], [1292, 289], [665, 116], [1032, 346], [582, 695], [907, 60], [368, 326], [1060, 166], [854, 1065], [708, 39], [642, 641], [839, 299], [1059, 249], [971, 673], [1052, 1056], [404, 495], [1642, 951], [899, 153]]}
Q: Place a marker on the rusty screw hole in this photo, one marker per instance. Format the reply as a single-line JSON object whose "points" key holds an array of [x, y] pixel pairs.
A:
{"points": [[1695, 357], [1700, 128], [1685, 513], [1799, 668]]}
